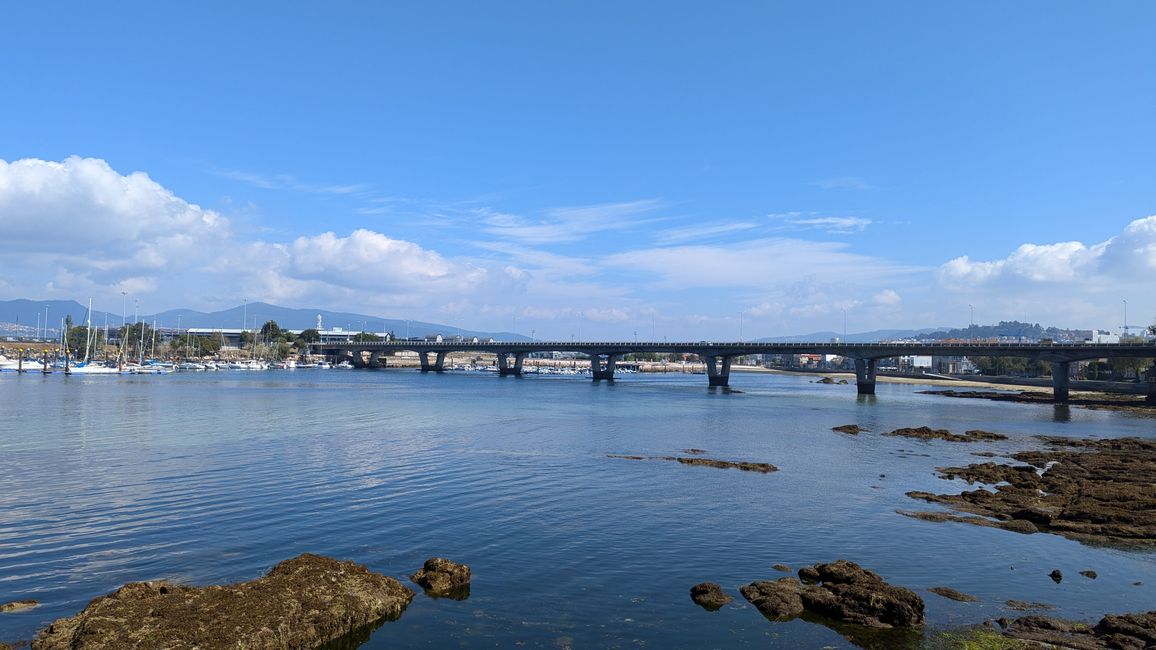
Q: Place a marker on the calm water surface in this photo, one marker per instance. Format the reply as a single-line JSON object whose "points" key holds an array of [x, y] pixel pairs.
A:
{"points": [[214, 477]]}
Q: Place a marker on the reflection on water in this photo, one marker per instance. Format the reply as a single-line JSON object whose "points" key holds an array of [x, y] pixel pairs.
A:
{"points": [[215, 477]]}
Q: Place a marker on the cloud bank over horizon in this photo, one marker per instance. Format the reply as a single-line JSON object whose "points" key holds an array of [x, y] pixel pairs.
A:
{"points": [[78, 228]]}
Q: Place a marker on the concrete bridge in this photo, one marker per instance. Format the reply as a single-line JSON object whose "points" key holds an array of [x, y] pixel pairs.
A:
{"points": [[718, 355]]}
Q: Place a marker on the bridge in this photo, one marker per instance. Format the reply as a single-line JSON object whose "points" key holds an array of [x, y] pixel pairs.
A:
{"points": [[718, 356]]}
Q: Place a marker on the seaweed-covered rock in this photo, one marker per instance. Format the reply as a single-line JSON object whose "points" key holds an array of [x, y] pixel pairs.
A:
{"points": [[952, 594], [840, 590], [18, 605], [927, 433], [777, 599], [1126, 631], [853, 429], [444, 578], [1088, 490], [301, 603], [709, 595]]}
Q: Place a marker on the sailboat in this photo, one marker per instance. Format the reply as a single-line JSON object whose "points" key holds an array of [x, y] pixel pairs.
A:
{"points": [[85, 366]]}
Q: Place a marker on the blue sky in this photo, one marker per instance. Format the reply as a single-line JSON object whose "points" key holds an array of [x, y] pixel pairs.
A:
{"points": [[596, 169]]}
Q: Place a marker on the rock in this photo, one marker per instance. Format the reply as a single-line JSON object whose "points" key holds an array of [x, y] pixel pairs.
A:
{"points": [[1089, 574], [1022, 605], [782, 567], [18, 605], [776, 599], [848, 428], [709, 595], [443, 578], [980, 434], [730, 464], [300, 603], [948, 592], [1092, 491], [706, 462], [1125, 631], [843, 591], [1056, 575], [927, 433], [694, 452], [826, 380], [1128, 630]]}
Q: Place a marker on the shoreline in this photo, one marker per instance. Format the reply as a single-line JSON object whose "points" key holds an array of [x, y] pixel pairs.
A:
{"points": [[887, 379]]}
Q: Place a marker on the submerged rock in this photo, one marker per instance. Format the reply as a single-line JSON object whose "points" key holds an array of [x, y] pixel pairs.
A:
{"points": [[853, 429], [730, 464], [706, 462], [301, 603], [18, 605], [709, 595], [842, 591], [948, 592], [782, 567], [1056, 575], [1090, 574], [927, 433], [1023, 605], [444, 578]]}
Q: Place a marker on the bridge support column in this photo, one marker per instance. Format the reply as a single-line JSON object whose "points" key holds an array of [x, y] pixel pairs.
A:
{"points": [[437, 365], [1060, 382], [376, 359], [504, 367], [718, 370], [865, 376], [602, 366], [1151, 399]]}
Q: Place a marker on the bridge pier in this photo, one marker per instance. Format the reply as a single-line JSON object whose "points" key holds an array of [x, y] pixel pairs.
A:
{"points": [[1151, 399], [718, 370], [437, 365], [376, 360], [865, 376], [504, 367], [1060, 382], [602, 366]]}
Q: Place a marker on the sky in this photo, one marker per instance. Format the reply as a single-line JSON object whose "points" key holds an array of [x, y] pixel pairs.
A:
{"points": [[594, 170]]}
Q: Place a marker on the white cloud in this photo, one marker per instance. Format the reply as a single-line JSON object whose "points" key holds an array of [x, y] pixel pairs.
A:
{"points": [[1123, 258], [706, 231], [887, 298], [288, 182], [755, 263], [83, 205], [834, 225], [87, 227], [843, 183], [570, 224]]}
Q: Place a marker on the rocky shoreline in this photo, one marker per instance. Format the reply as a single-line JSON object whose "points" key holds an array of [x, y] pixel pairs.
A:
{"points": [[306, 602], [1094, 491], [1095, 401]]}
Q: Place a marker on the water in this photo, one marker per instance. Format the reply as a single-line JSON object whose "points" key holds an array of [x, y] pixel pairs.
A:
{"points": [[214, 477]]}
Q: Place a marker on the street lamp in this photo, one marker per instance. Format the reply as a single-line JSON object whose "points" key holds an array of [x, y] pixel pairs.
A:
{"points": [[1125, 318]]}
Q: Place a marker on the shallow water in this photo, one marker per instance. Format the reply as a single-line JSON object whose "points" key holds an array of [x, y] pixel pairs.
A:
{"points": [[214, 477]]}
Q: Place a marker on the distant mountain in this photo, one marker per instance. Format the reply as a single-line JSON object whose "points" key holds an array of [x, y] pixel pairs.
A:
{"points": [[23, 317], [20, 318], [1009, 331], [857, 337]]}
